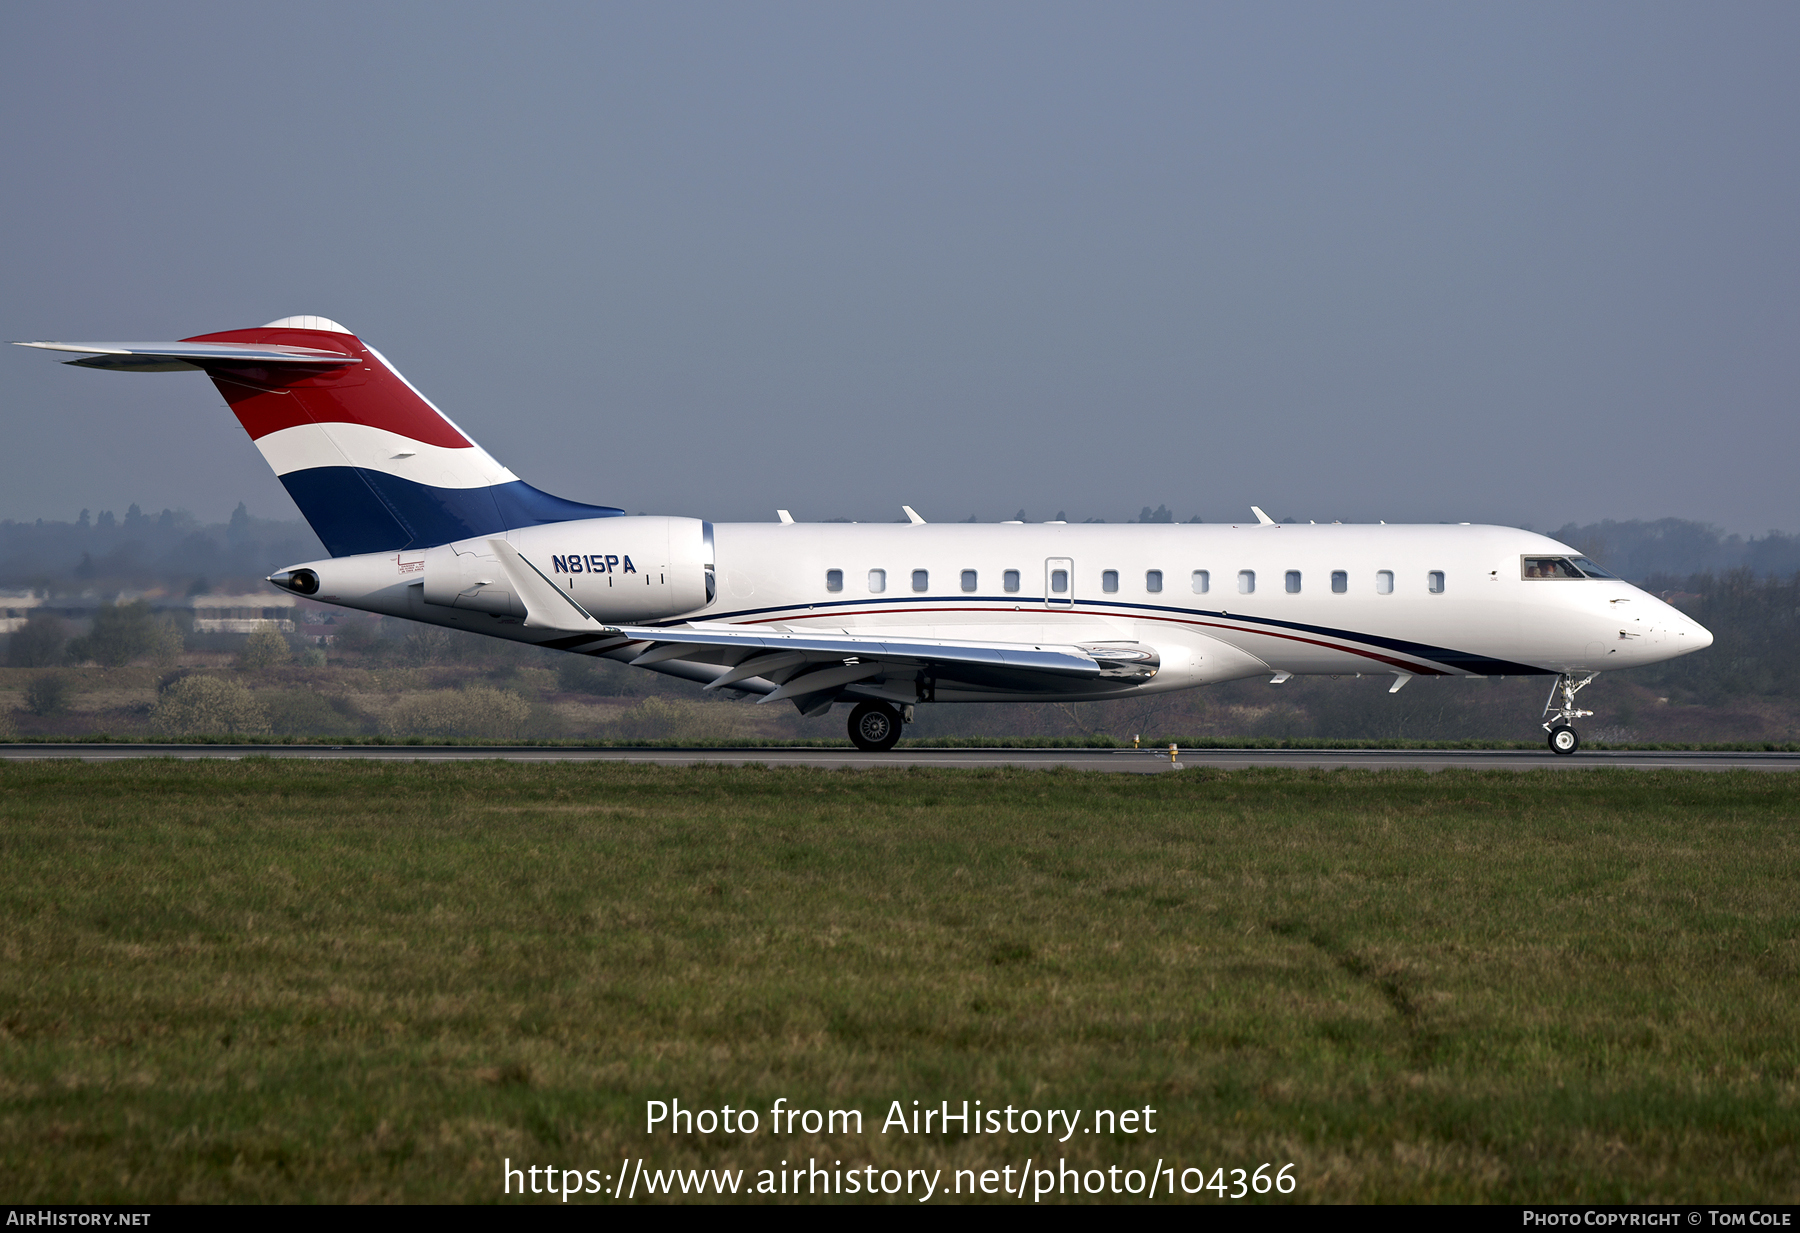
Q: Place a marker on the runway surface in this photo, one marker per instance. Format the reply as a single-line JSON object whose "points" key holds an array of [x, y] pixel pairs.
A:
{"points": [[1125, 761]]}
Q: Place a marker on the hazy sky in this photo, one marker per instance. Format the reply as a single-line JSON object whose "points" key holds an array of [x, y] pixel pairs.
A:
{"points": [[1494, 263]]}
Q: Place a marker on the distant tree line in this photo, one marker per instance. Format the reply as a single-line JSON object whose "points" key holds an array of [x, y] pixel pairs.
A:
{"points": [[118, 635], [1755, 623], [1639, 550], [173, 550]]}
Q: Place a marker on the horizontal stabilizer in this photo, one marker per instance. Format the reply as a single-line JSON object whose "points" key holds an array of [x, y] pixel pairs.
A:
{"points": [[190, 356]]}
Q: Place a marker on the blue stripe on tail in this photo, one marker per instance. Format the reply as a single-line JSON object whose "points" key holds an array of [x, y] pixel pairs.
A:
{"points": [[355, 510]]}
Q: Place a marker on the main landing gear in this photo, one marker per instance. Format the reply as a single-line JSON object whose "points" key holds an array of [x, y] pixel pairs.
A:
{"points": [[1559, 720], [874, 727]]}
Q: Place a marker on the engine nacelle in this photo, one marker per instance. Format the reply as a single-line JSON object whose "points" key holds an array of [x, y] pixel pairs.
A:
{"points": [[623, 570], [468, 576], [619, 569]]}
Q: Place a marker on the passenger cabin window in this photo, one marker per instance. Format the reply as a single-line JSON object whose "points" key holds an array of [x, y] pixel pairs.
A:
{"points": [[1340, 582], [877, 581], [1560, 567], [1293, 582], [1246, 582], [1384, 582], [1202, 581], [1434, 582], [1010, 580], [1109, 581], [834, 580], [921, 580], [968, 580], [1059, 582], [1153, 581]]}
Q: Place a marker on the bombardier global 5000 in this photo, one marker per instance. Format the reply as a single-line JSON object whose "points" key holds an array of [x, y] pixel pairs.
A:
{"points": [[423, 524]]}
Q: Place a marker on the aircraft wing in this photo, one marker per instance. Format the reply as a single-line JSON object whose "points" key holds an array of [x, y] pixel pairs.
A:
{"points": [[811, 668]]}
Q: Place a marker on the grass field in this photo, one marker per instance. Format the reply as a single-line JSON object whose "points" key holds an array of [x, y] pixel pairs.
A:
{"points": [[280, 981]]}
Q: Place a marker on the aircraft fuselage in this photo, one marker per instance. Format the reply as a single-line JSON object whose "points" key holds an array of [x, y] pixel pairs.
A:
{"points": [[1218, 602]]}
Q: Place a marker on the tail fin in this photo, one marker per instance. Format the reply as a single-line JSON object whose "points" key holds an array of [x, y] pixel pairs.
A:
{"points": [[371, 463]]}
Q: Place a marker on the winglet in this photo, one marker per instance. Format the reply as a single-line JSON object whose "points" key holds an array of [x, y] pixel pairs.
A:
{"points": [[912, 515], [787, 519], [1261, 517]]}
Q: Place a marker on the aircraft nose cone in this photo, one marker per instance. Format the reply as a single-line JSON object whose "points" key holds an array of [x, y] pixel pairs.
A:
{"points": [[1699, 635]]}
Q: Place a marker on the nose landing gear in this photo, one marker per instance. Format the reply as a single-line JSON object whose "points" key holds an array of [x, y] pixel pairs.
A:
{"points": [[1559, 720]]}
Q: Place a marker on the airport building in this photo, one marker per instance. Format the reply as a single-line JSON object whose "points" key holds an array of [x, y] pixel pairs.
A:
{"points": [[204, 614]]}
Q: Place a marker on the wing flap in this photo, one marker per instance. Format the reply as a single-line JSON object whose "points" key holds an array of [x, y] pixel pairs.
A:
{"points": [[1040, 657], [797, 664]]}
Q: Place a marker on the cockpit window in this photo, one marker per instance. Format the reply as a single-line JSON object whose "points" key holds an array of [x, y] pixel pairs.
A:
{"points": [[1593, 571], [1549, 567], [1560, 567]]}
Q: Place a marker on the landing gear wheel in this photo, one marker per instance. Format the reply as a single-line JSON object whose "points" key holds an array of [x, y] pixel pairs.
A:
{"points": [[874, 727], [1563, 740]]}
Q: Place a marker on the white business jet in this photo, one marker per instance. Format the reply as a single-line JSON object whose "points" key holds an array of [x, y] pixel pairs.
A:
{"points": [[423, 524]]}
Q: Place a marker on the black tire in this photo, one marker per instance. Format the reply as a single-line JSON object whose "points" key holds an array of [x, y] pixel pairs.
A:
{"points": [[874, 727], [1563, 740]]}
